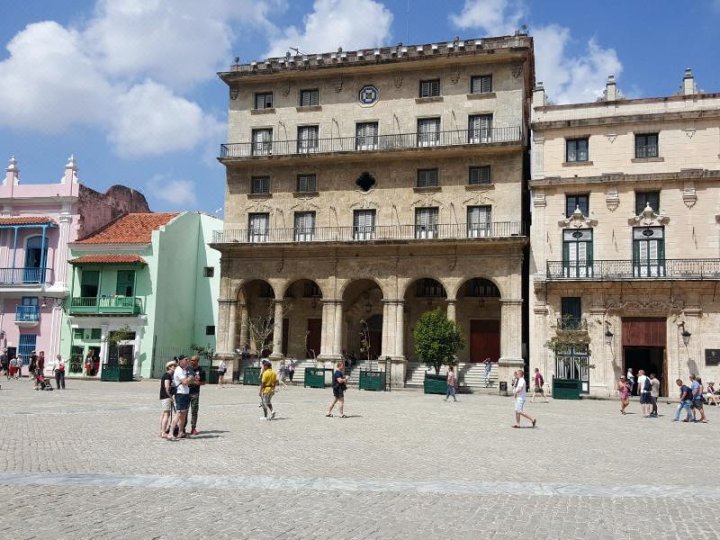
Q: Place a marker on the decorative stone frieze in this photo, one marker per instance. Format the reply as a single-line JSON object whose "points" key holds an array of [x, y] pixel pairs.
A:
{"points": [[577, 221], [648, 218]]}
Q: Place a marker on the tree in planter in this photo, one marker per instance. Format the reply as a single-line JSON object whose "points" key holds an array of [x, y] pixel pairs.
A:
{"points": [[261, 328], [365, 340], [437, 339], [116, 337]]}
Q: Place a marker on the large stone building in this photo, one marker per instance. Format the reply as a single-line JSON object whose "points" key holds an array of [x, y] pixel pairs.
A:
{"points": [[625, 239], [367, 187]]}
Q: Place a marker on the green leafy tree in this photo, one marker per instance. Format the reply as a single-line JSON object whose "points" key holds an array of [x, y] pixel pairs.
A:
{"points": [[437, 339]]}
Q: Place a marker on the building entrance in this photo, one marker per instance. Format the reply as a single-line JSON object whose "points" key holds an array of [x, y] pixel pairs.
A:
{"points": [[484, 340], [650, 359], [644, 341]]}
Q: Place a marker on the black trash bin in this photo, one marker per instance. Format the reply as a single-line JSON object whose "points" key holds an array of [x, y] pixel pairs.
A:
{"points": [[502, 385]]}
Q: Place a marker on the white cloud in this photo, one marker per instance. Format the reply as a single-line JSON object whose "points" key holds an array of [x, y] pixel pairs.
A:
{"points": [[570, 72], [175, 192], [350, 24], [494, 17]]}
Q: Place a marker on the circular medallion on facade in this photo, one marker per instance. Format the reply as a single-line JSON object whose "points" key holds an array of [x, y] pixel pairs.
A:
{"points": [[368, 95]]}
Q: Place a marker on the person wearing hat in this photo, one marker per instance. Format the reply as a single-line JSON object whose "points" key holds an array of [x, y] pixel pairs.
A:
{"points": [[166, 402]]}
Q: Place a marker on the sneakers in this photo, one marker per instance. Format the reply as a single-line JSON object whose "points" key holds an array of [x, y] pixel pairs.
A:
{"points": [[194, 432], [272, 416]]}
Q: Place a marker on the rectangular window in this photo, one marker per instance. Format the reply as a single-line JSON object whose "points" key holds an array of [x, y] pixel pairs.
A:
{"points": [[209, 271], [307, 139], [304, 226], [258, 227], [648, 251], [428, 132], [262, 142], [643, 199], [209, 330], [571, 312], [306, 183], [430, 88], [125, 283], [481, 84], [363, 224], [308, 98], [27, 345], [78, 333], [426, 222], [427, 178], [480, 128], [28, 310], [429, 288], [95, 334], [89, 283], [577, 253], [576, 150], [260, 184], [366, 136], [479, 220], [572, 202], [263, 100], [480, 175], [646, 145]]}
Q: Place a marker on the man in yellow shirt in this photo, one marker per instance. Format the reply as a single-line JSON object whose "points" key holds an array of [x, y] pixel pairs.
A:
{"points": [[268, 381]]}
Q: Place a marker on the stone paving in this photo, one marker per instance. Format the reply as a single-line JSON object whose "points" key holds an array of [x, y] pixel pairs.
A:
{"points": [[87, 462]]}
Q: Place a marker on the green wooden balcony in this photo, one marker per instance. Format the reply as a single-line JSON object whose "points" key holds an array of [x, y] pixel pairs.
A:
{"points": [[106, 305]]}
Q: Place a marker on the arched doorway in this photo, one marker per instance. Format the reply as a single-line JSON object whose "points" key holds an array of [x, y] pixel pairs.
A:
{"points": [[257, 323], [302, 324], [478, 314], [421, 295], [362, 321]]}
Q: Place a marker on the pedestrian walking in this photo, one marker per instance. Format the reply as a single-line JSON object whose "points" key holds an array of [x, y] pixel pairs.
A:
{"points": [[710, 394], [538, 386], [282, 371], [654, 394], [13, 369], [623, 388], [452, 384], [58, 369], [291, 368], [520, 392], [182, 398], [696, 388], [644, 387], [631, 380], [685, 401], [339, 385], [41, 362], [268, 382], [197, 379], [166, 402], [222, 369], [488, 370], [5, 363]]}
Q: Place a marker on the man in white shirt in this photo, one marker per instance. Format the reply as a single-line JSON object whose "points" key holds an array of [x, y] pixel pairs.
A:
{"points": [[182, 398], [520, 392], [644, 391]]}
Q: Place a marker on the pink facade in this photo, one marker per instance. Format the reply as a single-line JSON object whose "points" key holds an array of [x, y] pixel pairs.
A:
{"points": [[37, 221]]}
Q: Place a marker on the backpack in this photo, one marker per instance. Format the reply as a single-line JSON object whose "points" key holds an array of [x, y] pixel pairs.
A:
{"points": [[647, 387]]}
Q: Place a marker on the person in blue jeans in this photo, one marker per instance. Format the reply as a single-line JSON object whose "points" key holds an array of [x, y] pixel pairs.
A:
{"points": [[452, 383], [685, 401]]}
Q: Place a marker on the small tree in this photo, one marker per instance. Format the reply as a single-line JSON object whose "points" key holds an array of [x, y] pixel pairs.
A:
{"points": [[261, 328], [437, 339]]}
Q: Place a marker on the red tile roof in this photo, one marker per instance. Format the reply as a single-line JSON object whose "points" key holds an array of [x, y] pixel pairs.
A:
{"points": [[129, 229], [108, 259], [25, 220]]}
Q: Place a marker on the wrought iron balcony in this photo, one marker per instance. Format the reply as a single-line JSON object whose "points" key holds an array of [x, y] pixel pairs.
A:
{"points": [[673, 269], [26, 276], [376, 143], [457, 231], [106, 305], [26, 316]]}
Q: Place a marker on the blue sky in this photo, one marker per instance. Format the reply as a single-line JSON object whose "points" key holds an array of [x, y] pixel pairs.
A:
{"points": [[129, 86]]}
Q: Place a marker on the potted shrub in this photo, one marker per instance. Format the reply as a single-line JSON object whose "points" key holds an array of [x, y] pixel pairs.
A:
{"points": [[437, 341]]}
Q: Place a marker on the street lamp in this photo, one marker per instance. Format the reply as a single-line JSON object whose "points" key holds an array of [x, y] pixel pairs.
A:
{"points": [[685, 334], [608, 334]]}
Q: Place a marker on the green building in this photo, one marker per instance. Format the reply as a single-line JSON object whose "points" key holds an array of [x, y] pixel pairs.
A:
{"points": [[143, 289]]}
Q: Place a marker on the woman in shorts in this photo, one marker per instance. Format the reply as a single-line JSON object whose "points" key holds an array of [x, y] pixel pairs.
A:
{"points": [[624, 392], [222, 369], [339, 385], [166, 400]]}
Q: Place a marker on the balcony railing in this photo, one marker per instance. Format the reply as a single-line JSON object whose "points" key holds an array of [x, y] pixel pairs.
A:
{"points": [[377, 143], [676, 269], [106, 305], [27, 315], [503, 229], [26, 276]]}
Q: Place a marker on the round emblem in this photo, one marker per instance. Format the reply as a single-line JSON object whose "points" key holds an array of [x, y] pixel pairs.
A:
{"points": [[648, 232], [577, 234], [368, 95]]}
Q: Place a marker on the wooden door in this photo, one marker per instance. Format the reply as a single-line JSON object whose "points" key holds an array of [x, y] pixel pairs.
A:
{"points": [[314, 330], [484, 340]]}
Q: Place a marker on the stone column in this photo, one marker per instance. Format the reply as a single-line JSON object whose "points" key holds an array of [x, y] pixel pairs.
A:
{"points": [[510, 339], [232, 327], [244, 319], [451, 309], [337, 342], [389, 331], [104, 349], [399, 362], [136, 351], [385, 331], [277, 331], [327, 332], [223, 330]]}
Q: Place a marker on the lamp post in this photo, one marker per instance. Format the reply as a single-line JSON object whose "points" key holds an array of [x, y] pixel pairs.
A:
{"points": [[608, 334], [684, 334]]}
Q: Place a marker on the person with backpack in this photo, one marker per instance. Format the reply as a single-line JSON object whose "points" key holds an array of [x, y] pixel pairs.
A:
{"points": [[538, 386], [685, 401], [696, 388], [644, 388]]}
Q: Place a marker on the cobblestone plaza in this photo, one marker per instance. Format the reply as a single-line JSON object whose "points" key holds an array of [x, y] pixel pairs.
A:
{"points": [[87, 462]]}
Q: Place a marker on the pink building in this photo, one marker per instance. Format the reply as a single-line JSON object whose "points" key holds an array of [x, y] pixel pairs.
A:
{"points": [[36, 223]]}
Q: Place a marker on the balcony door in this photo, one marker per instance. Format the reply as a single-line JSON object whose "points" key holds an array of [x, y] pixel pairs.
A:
{"points": [[89, 287], [366, 136], [258, 227], [125, 283], [364, 224], [480, 128], [648, 252], [577, 253], [35, 257], [478, 221], [304, 226], [261, 142], [28, 310], [428, 132], [426, 223], [308, 139]]}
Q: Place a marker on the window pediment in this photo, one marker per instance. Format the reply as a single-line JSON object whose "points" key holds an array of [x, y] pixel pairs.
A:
{"points": [[648, 217], [577, 221]]}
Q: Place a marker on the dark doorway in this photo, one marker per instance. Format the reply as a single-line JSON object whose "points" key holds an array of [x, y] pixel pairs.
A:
{"points": [[650, 359], [484, 340], [375, 335], [314, 331], [644, 340]]}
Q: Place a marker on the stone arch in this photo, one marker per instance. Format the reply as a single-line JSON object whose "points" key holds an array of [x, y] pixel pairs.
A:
{"points": [[302, 325], [362, 301], [348, 282], [478, 314], [420, 295]]}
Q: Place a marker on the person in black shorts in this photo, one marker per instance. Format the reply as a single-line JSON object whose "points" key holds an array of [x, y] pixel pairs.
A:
{"points": [[339, 385]]}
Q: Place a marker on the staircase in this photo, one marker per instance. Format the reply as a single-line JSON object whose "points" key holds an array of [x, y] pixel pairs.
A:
{"points": [[470, 375]]}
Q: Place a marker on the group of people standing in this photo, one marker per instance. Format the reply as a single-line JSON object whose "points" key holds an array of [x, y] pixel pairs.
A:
{"points": [[648, 389], [180, 392]]}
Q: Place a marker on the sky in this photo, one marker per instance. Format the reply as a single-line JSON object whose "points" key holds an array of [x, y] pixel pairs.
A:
{"points": [[130, 86]]}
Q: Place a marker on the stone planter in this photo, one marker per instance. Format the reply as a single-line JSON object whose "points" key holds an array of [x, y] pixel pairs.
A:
{"points": [[372, 380], [435, 384], [315, 377]]}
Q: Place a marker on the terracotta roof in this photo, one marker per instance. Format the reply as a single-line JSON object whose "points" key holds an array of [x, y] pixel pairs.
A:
{"points": [[129, 229], [108, 259], [25, 220]]}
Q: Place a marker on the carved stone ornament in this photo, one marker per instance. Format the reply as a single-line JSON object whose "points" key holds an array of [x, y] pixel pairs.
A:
{"points": [[577, 220], [234, 91], [649, 217], [611, 137], [398, 81], [259, 208], [286, 90], [339, 85], [689, 196], [539, 200], [689, 132], [455, 77], [645, 306], [365, 204], [426, 201], [517, 71], [479, 199], [612, 199], [304, 205]]}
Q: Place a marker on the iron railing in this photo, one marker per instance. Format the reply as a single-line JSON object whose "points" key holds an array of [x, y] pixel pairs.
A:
{"points": [[371, 143], [502, 229], [27, 314], [106, 305], [629, 269], [26, 276]]}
